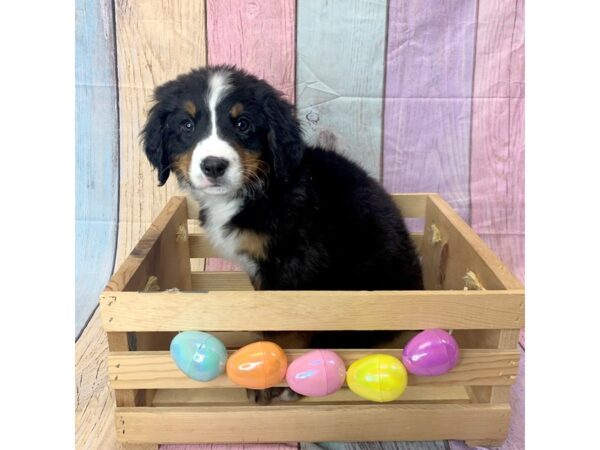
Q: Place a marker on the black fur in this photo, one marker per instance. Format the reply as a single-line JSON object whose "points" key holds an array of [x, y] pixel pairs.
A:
{"points": [[330, 225]]}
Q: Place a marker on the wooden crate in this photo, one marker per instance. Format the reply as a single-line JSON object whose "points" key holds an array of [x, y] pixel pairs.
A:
{"points": [[468, 291]]}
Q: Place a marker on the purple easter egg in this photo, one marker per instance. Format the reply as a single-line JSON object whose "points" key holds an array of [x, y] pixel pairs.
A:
{"points": [[430, 353]]}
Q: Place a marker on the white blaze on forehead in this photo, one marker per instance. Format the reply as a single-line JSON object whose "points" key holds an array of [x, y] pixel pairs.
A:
{"points": [[217, 89], [213, 145]]}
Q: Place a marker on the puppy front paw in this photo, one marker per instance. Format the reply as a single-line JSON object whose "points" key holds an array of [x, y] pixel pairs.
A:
{"points": [[274, 394]]}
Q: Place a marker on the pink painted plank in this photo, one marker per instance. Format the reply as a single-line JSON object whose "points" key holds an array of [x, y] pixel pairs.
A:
{"points": [[428, 98], [510, 248], [497, 135], [497, 140], [258, 37]]}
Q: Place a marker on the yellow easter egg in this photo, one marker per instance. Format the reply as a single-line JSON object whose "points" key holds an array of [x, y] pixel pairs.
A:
{"points": [[380, 378]]}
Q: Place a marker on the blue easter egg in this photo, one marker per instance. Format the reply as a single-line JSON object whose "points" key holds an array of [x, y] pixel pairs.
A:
{"points": [[200, 356]]}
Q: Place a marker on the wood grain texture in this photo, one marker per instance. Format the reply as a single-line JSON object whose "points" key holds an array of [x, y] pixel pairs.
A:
{"points": [[427, 98], [95, 401], [200, 397], [157, 370], [516, 431], [340, 73], [497, 136], [297, 310], [497, 157], [145, 259], [96, 154], [466, 251], [221, 281], [285, 423], [498, 106], [257, 36], [156, 41], [237, 31]]}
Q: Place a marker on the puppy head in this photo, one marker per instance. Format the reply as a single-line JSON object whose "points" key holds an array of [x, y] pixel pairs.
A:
{"points": [[222, 131]]}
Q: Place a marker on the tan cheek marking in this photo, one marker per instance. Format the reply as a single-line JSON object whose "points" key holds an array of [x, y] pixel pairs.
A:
{"points": [[236, 110], [190, 108], [181, 165], [251, 162], [253, 244]]}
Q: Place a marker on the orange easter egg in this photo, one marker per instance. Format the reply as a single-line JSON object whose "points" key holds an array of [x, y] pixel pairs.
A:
{"points": [[257, 366]]}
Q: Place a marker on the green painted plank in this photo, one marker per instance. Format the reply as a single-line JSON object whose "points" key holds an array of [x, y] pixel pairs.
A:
{"points": [[96, 154], [340, 59]]}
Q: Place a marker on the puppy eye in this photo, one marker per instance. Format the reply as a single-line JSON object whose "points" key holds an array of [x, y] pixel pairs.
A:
{"points": [[242, 125], [186, 126]]}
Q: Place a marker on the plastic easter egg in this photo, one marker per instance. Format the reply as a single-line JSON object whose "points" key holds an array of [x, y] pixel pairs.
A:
{"points": [[257, 366], [380, 378], [430, 353], [200, 356], [316, 373]]}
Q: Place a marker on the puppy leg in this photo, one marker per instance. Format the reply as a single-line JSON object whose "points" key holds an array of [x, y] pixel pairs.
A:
{"points": [[275, 394], [285, 339]]}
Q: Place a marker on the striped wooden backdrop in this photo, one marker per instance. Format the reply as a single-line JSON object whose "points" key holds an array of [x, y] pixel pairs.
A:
{"points": [[426, 95]]}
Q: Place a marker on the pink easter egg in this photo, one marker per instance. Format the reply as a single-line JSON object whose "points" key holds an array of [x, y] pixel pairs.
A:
{"points": [[430, 353], [316, 373]]}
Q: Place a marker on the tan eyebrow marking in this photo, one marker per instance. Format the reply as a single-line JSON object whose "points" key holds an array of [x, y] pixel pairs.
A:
{"points": [[236, 110], [189, 107]]}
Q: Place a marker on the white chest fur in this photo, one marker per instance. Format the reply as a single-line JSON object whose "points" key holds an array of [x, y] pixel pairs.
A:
{"points": [[219, 211]]}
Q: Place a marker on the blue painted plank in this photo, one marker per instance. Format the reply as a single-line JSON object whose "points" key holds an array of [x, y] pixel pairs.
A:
{"points": [[340, 60], [96, 154]]}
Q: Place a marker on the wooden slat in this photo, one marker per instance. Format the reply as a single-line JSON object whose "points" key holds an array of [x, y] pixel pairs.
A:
{"points": [[373, 422], [221, 281], [97, 176], [156, 370], [428, 98], [341, 104], [156, 41], [224, 396], [466, 251], [144, 259], [311, 310], [411, 205], [200, 247]]}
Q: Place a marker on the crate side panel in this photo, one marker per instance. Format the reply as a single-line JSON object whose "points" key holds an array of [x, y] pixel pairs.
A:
{"points": [[295, 310], [324, 423], [156, 370]]}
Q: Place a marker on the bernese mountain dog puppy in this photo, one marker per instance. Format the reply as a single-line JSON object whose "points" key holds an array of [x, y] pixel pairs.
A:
{"points": [[291, 215]]}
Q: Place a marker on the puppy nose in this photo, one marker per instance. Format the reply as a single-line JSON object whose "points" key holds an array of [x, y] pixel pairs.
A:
{"points": [[214, 167]]}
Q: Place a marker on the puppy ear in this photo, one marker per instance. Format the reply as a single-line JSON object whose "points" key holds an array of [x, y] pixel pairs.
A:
{"points": [[153, 142], [284, 138]]}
